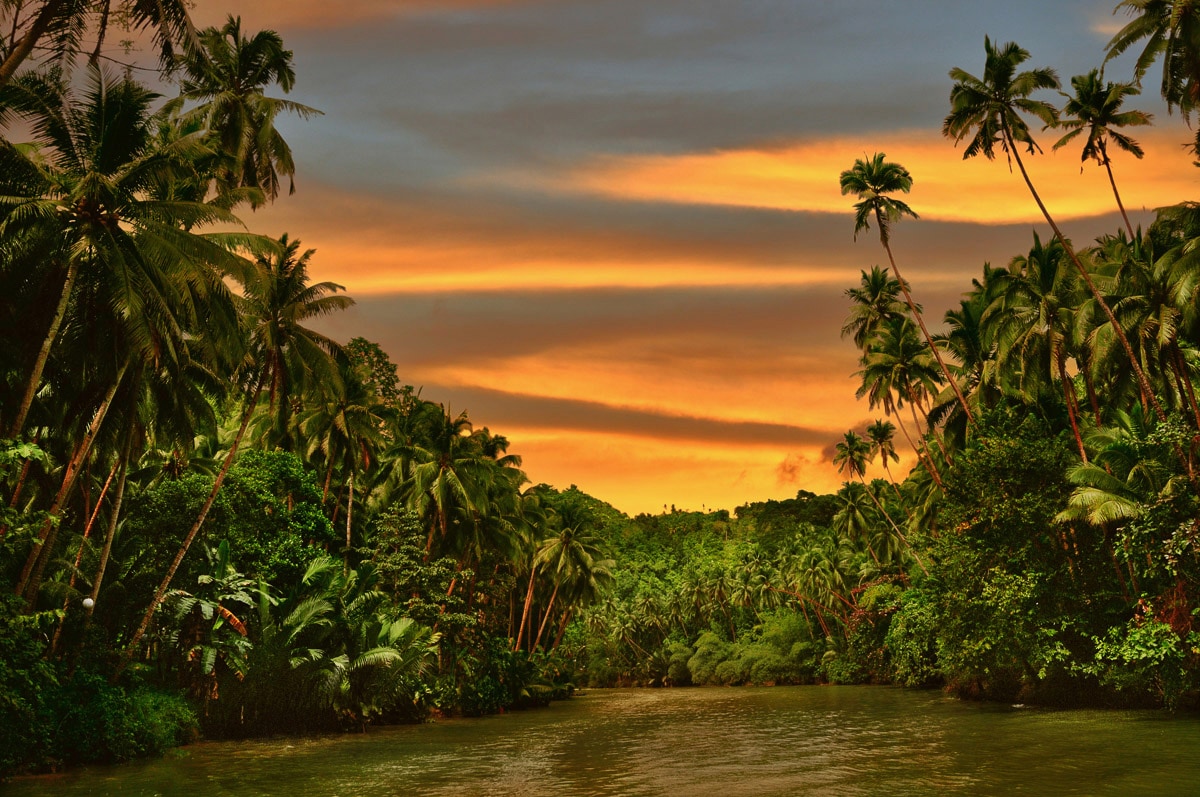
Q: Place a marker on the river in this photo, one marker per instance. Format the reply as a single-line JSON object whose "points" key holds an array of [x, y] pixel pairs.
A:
{"points": [[694, 742]]}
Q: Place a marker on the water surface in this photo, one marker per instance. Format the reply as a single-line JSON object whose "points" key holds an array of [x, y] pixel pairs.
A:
{"points": [[728, 742]]}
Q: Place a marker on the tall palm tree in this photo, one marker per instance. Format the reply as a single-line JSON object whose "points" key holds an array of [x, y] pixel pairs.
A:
{"points": [[989, 112], [873, 181], [1171, 29], [1096, 108], [227, 74], [280, 354]]}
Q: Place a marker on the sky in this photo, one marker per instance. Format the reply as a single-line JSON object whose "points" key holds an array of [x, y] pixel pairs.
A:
{"points": [[612, 231]]}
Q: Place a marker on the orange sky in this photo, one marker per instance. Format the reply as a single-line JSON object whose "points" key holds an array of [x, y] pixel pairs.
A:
{"points": [[613, 232]]}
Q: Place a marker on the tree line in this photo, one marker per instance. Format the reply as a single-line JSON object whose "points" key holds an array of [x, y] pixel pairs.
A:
{"points": [[215, 517], [1044, 545]]}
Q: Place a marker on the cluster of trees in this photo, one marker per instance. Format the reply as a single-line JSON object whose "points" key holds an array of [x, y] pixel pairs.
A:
{"points": [[215, 517], [1044, 546]]}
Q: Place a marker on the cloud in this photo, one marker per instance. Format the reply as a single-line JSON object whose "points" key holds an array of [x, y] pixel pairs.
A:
{"points": [[802, 177]]}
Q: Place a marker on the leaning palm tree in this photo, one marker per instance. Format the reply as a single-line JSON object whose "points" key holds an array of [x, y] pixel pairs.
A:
{"points": [[988, 111], [1096, 108], [873, 181], [281, 354], [1171, 28], [227, 74]]}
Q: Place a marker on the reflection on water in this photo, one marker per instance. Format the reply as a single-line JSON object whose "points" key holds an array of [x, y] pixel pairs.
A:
{"points": [[729, 742]]}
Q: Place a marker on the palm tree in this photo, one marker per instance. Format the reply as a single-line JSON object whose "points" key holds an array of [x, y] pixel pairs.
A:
{"points": [[87, 186], [897, 369], [227, 74], [989, 111], [280, 353], [872, 182], [1096, 108], [1032, 322], [881, 436], [567, 557], [444, 478], [63, 23], [1171, 29], [874, 302]]}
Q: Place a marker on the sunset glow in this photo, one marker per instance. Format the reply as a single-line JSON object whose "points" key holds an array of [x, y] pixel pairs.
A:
{"points": [[619, 240]]}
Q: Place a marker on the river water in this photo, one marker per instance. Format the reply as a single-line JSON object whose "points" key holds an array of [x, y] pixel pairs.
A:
{"points": [[694, 742]]}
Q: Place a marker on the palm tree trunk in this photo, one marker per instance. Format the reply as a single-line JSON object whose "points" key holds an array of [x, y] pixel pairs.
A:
{"points": [[1072, 407], [30, 580], [94, 58], [525, 611], [26, 43], [39, 365], [937, 477], [1143, 382], [127, 656], [115, 514], [929, 340], [1112, 181], [917, 450], [545, 617], [87, 530], [349, 517], [562, 629], [1182, 371]]}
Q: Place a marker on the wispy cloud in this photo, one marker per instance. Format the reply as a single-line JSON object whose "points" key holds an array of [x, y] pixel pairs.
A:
{"points": [[802, 177]]}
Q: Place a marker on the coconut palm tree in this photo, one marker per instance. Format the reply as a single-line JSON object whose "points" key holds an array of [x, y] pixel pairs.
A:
{"points": [[281, 355], [58, 27], [1096, 108], [896, 369], [1032, 322], [227, 75], [881, 437], [1171, 28], [988, 111], [874, 302], [873, 181], [88, 186]]}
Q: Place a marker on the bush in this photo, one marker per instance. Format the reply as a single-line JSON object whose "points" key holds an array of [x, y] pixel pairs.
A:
{"points": [[911, 641]]}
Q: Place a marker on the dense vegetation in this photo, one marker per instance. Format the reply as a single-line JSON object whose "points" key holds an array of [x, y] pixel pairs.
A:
{"points": [[218, 520]]}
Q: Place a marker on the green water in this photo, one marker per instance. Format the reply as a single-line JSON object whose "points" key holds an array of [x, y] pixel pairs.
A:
{"points": [[725, 742]]}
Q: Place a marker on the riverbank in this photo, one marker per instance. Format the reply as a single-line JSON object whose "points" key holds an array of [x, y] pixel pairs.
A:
{"points": [[753, 741]]}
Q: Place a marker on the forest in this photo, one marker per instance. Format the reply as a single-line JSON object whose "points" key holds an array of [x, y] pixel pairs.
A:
{"points": [[219, 522]]}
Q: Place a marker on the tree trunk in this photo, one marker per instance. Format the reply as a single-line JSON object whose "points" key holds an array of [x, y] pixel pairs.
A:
{"points": [[39, 365], [26, 43], [87, 530], [525, 611], [112, 523], [349, 517], [1113, 182], [545, 618], [1072, 408], [921, 322], [1143, 382], [127, 656], [30, 580], [562, 629]]}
